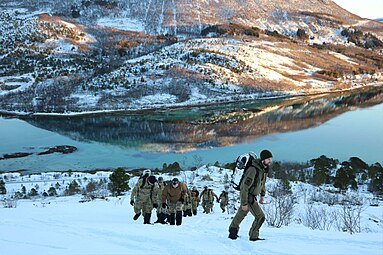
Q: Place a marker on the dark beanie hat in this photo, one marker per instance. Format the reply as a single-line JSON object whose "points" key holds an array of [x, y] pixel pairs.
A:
{"points": [[152, 179], [266, 154], [175, 181]]}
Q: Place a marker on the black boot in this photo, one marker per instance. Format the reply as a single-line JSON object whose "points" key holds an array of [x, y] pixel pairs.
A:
{"points": [[195, 212], [233, 233], [189, 212], [147, 218], [185, 214], [179, 218], [167, 218], [136, 216], [162, 218], [171, 218]]}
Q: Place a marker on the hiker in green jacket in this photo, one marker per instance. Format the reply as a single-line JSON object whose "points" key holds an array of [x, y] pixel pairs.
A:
{"points": [[253, 184]]}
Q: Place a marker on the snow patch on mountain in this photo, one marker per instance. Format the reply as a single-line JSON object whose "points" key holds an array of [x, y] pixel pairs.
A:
{"points": [[124, 24]]}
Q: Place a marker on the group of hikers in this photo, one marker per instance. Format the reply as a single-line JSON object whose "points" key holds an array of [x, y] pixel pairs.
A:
{"points": [[173, 200]]}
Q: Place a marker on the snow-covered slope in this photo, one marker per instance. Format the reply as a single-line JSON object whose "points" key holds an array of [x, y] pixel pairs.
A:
{"points": [[63, 225]]}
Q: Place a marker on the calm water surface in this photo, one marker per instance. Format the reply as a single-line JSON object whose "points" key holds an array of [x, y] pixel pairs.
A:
{"points": [[339, 127]]}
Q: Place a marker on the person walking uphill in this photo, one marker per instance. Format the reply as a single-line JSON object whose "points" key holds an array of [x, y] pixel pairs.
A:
{"points": [[208, 196], [173, 197], [161, 212], [143, 197], [253, 184], [223, 200]]}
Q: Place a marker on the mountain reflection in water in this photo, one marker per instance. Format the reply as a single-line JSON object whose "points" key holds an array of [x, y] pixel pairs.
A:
{"points": [[180, 130]]}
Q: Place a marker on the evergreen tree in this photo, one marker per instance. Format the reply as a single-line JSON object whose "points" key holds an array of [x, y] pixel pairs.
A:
{"points": [[302, 176], [73, 188], [357, 164], [341, 179], [119, 182], [376, 178], [322, 168], [345, 177], [33, 192], [52, 192], [276, 170]]}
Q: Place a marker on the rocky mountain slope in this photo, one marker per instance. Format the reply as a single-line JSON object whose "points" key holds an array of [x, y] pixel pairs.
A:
{"points": [[75, 56]]}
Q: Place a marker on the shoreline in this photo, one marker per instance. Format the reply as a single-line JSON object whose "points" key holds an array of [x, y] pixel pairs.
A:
{"points": [[153, 109]]}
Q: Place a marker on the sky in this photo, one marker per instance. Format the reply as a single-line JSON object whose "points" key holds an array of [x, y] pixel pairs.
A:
{"points": [[371, 9], [65, 226]]}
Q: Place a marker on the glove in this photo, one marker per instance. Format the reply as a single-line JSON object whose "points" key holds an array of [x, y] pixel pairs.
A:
{"points": [[132, 202], [164, 205], [155, 205], [181, 200]]}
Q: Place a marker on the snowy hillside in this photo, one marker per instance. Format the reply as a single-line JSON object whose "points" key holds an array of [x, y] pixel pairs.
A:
{"points": [[67, 56], [75, 225]]}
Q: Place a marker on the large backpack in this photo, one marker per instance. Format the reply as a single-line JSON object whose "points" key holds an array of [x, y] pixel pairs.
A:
{"points": [[241, 165]]}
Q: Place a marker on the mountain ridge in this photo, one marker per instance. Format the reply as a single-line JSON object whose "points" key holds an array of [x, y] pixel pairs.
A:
{"points": [[67, 56]]}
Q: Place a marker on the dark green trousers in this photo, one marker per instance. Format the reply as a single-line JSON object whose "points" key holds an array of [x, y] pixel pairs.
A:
{"points": [[259, 218]]}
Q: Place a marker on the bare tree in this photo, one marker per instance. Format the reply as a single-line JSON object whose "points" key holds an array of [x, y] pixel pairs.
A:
{"points": [[280, 210], [10, 202], [319, 217], [349, 218]]}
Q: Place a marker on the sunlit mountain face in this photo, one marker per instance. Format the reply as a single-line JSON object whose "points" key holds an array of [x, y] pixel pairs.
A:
{"points": [[116, 55]]}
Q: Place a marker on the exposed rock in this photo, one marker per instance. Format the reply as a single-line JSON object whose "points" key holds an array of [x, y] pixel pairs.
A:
{"points": [[15, 155], [64, 149]]}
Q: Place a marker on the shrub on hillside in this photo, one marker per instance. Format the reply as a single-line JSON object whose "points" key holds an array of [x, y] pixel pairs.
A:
{"points": [[52, 192], [319, 217], [10, 202], [173, 169], [73, 188], [301, 34]]}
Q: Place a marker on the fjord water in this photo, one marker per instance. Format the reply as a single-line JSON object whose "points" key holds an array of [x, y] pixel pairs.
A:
{"points": [[338, 126]]}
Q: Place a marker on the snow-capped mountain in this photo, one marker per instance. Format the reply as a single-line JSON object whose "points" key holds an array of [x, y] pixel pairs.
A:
{"points": [[74, 56]]}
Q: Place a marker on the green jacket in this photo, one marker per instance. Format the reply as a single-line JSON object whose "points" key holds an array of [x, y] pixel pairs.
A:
{"points": [[254, 180]]}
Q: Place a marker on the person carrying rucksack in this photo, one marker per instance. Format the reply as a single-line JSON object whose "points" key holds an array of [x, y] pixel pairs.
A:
{"points": [[144, 197], [252, 185], [223, 200], [194, 200], [208, 196], [188, 204]]}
